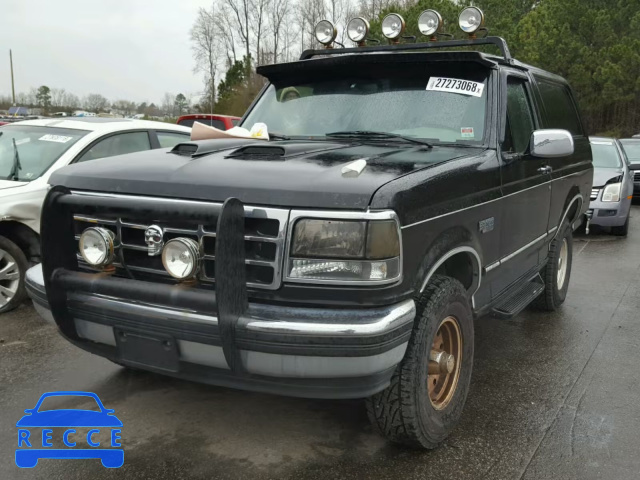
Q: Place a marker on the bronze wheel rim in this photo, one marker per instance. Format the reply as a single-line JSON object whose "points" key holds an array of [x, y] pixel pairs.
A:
{"points": [[445, 360]]}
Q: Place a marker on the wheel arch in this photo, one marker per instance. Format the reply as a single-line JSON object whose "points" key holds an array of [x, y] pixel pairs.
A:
{"points": [[457, 254], [572, 209], [24, 237]]}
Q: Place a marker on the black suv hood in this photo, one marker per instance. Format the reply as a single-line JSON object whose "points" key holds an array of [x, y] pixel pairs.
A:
{"points": [[286, 173]]}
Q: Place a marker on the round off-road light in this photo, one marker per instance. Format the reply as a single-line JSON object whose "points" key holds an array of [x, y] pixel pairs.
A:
{"points": [[430, 23], [392, 26], [96, 246], [325, 32], [471, 19], [181, 258], [357, 30]]}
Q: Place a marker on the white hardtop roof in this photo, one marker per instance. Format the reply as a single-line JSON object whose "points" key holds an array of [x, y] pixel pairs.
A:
{"points": [[99, 124]]}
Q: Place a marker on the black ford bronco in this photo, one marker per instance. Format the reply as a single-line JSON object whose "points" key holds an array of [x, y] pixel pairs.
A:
{"points": [[404, 193]]}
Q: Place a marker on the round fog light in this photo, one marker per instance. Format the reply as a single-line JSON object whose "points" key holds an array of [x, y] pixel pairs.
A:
{"points": [[325, 32], [470, 20], [181, 258], [96, 246], [430, 23], [357, 30], [392, 26]]}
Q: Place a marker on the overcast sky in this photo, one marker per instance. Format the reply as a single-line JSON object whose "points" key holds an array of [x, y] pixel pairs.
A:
{"points": [[123, 49]]}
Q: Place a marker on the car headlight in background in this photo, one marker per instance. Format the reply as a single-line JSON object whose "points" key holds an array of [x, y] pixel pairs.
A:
{"points": [[611, 192], [345, 251], [97, 246], [181, 258]]}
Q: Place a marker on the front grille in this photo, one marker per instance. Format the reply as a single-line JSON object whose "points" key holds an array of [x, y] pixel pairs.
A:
{"points": [[265, 230], [594, 193]]}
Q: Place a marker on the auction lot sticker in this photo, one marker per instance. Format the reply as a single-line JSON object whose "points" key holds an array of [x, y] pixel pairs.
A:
{"points": [[455, 85], [55, 138]]}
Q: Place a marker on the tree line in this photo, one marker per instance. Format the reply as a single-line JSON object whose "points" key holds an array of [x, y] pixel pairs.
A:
{"points": [[594, 44], [53, 100]]}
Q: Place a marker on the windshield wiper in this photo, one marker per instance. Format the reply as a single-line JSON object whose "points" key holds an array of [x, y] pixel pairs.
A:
{"points": [[376, 135], [278, 136], [13, 174]]}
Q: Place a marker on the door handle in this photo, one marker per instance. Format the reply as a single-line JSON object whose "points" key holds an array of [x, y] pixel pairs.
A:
{"points": [[545, 170]]}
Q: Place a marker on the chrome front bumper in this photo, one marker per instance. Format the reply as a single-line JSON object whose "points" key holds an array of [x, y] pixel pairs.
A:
{"points": [[317, 352]]}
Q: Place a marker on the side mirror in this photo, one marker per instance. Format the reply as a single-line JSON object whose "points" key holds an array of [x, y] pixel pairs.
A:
{"points": [[551, 143]]}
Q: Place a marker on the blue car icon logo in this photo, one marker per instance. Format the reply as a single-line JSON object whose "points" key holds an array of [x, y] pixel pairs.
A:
{"points": [[32, 446]]}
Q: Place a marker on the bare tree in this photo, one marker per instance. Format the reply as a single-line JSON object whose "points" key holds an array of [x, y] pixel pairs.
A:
{"points": [[278, 15], [168, 103], [208, 49], [57, 97], [258, 20], [95, 102], [241, 12]]}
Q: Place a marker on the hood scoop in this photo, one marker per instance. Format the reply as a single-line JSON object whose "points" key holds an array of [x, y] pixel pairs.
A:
{"points": [[267, 152]]}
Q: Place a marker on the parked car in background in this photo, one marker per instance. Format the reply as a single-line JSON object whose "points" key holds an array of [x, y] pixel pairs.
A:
{"points": [[30, 151], [612, 189], [222, 122], [631, 148]]}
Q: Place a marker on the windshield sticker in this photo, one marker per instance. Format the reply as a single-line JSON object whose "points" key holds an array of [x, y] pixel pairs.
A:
{"points": [[455, 85], [55, 138], [466, 132]]}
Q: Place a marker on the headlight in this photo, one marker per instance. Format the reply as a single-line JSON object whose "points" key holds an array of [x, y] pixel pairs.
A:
{"points": [[611, 192], [470, 20], [392, 26], [96, 246], [325, 32], [344, 251], [181, 258], [430, 23], [357, 30]]}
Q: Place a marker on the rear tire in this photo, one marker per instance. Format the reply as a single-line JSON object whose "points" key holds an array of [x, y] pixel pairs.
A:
{"points": [[13, 270], [420, 409], [557, 273]]}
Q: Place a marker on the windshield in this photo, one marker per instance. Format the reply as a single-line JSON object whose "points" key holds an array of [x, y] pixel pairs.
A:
{"points": [[632, 149], [605, 155], [427, 102], [38, 148]]}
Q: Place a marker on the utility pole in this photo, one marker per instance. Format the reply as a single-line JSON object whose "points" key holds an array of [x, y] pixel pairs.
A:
{"points": [[13, 88]]}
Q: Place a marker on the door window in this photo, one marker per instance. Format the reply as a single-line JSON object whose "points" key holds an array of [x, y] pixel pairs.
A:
{"points": [[118, 144], [559, 107], [520, 124], [171, 139]]}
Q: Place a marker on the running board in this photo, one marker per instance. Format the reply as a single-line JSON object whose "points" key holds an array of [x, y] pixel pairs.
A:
{"points": [[518, 300]]}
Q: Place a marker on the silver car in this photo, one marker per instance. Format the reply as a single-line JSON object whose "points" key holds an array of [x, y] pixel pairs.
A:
{"points": [[612, 191]]}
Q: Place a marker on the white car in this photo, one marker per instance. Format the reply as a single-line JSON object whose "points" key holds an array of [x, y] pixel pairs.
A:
{"points": [[30, 151]]}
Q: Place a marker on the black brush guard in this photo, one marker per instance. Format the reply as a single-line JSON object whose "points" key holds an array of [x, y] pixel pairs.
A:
{"points": [[60, 265]]}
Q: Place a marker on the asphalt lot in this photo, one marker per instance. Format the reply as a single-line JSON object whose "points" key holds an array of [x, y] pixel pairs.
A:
{"points": [[552, 397]]}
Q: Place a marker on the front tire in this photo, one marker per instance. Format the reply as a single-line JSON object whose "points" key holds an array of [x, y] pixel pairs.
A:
{"points": [[557, 272], [13, 270], [622, 230], [428, 390]]}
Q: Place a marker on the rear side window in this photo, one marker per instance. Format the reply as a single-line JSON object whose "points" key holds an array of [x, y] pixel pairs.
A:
{"points": [[118, 144], [559, 107], [171, 139], [519, 117]]}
